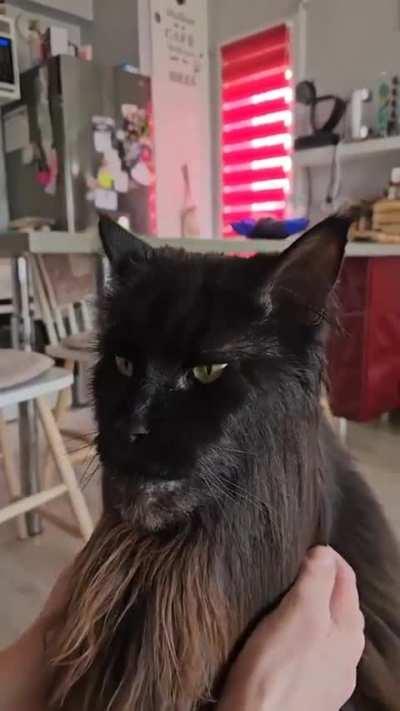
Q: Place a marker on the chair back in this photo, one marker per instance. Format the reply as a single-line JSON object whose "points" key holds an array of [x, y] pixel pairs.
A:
{"points": [[64, 288]]}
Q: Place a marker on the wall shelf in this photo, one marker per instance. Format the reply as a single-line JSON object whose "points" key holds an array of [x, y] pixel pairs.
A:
{"points": [[346, 151], [13, 244], [77, 9]]}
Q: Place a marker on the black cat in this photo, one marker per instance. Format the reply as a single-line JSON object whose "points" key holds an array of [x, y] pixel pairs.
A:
{"points": [[219, 472]]}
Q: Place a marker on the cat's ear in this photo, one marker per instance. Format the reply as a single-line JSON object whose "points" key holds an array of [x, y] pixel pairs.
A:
{"points": [[307, 272], [119, 243]]}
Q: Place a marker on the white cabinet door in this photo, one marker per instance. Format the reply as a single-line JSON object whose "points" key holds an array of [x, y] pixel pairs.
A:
{"points": [[80, 8]]}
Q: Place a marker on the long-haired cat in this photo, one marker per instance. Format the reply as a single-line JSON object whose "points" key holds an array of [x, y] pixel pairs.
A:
{"points": [[219, 472]]}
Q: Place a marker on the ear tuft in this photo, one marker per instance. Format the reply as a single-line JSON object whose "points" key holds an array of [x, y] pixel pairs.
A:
{"points": [[307, 272], [119, 243]]}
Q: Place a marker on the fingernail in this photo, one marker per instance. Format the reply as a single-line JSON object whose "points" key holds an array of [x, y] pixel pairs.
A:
{"points": [[322, 555]]}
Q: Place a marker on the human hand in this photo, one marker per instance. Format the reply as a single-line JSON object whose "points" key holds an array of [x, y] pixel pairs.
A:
{"points": [[304, 656], [56, 603], [23, 666]]}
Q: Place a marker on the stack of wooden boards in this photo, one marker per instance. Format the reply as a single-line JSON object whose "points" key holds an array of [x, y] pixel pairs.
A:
{"points": [[385, 223], [386, 217]]}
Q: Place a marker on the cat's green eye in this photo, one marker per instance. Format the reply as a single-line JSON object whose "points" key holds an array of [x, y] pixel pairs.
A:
{"points": [[208, 373], [124, 366]]}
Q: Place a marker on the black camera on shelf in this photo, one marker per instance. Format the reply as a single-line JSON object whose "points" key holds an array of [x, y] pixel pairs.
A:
{"points": [[322, 135]]}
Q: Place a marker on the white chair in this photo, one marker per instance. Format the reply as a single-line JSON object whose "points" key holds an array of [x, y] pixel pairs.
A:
{"points": [[26, 377], [63, 297], [63, 287]]}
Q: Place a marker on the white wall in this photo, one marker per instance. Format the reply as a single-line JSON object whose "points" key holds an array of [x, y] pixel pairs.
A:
{"points": [[67, 10], [233, 18], [115, 32], [80, 8], [352, 41], [349, 43]]}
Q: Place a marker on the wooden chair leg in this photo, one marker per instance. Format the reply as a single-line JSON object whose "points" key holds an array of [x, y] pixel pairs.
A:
{"points": [[62, 406], [11, 476], [65, 468]]}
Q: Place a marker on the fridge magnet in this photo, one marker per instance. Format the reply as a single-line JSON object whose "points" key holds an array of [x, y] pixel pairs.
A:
{"points": [[106, 199], [103, 129], [123, 164]]}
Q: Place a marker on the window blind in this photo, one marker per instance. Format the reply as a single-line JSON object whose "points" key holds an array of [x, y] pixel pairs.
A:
{"points": [[257, 99]]}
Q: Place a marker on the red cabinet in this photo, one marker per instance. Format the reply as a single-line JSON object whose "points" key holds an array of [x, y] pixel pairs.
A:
{"points": [[364, 356]]}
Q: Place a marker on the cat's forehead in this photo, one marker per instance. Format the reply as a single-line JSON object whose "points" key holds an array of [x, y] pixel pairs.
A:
{"points": [[185, 282], [187, 302]]}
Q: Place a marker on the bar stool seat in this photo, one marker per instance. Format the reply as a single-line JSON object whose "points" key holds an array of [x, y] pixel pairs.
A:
{"points": [[45, 381], [18, 367], [77, 348], [82, 341], [49, 382]]}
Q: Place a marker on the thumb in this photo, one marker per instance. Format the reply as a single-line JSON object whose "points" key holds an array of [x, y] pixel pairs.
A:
{"points": [[345, 603], [317, 577]]}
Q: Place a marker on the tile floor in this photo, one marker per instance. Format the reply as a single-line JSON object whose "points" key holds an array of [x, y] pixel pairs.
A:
{"points": [[28, 568]]}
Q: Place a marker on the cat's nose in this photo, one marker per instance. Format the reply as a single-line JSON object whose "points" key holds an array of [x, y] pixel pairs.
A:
{"points": [[139, 428]]}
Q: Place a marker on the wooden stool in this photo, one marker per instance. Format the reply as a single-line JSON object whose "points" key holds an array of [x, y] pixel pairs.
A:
{"points": [[67, 342], [26, 377]]}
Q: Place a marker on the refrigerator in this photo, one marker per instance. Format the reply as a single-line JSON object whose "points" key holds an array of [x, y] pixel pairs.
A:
{"points": [[78, 143]]}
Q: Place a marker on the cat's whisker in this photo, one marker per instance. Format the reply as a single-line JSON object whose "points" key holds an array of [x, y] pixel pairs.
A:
{"points": [[209, 479], [84, 483], [214, 493], [81, 448], [88, 475], [226, 495], [92, 459], [238, 451], [241, 494], [241, 489], [88, 436], [245, 495], [216, 486]]}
